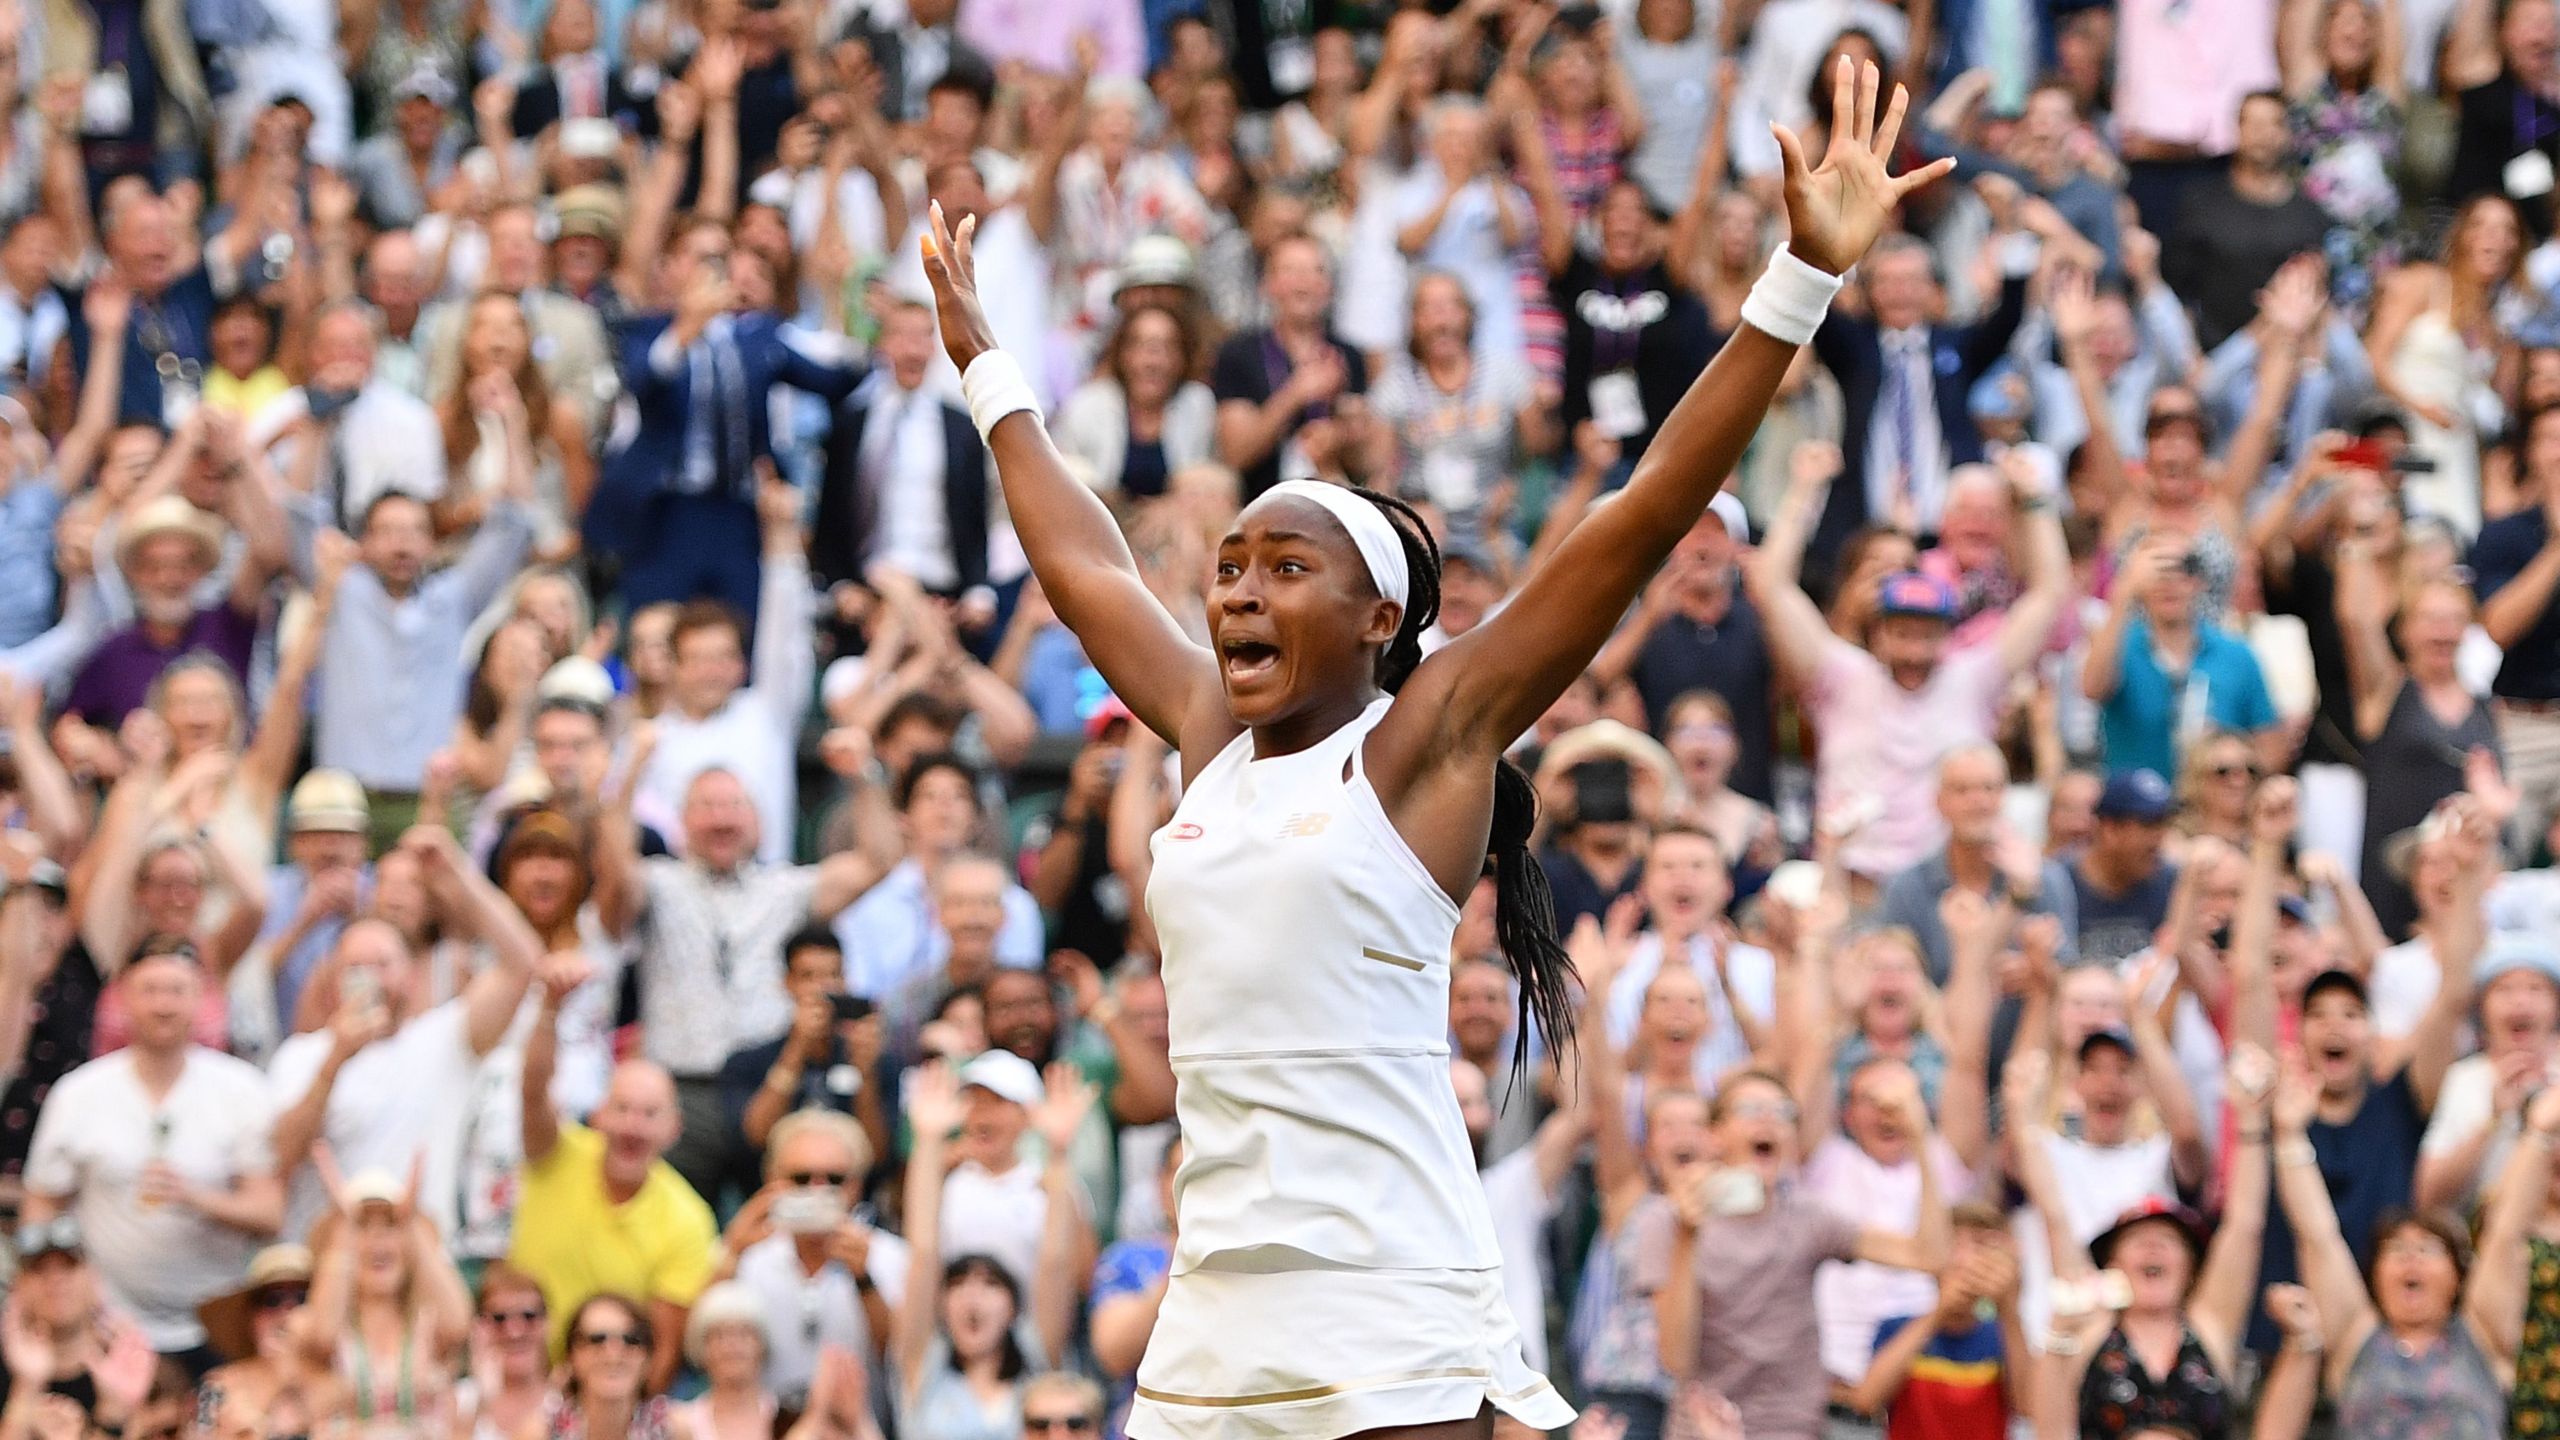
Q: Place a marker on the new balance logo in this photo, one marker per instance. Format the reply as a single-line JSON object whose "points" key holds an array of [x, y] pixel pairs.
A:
{"points": [[1302, 825]]}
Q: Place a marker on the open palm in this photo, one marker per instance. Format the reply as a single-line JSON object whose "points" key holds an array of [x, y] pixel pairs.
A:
{"points": [[1835, 210]]}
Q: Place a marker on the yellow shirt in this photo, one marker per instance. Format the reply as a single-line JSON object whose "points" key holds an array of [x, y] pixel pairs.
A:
{"points": [[577, 1244], [245, 396]]}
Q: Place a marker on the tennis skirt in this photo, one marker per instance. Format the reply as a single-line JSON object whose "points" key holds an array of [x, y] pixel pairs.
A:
{"points": [[1315, 1354]]}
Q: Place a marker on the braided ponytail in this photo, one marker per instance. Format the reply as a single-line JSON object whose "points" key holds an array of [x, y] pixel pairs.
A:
{"points": [[1524, 912]]}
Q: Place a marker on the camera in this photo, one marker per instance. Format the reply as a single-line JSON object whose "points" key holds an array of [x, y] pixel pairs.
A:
{"points": [[809, 1210]]}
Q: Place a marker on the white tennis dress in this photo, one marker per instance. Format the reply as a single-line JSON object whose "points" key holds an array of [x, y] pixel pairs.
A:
{"points": [[1336, 1268]]}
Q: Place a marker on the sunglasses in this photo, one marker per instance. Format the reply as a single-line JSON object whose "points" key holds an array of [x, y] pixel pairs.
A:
{"points": [[526, 1316], [279, 1299], [598, 1339], [1043, 1424], [807, 1179]]}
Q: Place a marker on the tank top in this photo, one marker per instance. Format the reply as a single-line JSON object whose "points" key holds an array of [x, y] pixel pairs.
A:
{"points": [[2415, 761], [2445, 1392], [1306, 974], [2534, 1408], [2119, 1396]]}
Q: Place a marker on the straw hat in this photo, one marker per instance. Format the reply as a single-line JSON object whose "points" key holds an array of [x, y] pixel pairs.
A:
{"points": [[227, 1318]]}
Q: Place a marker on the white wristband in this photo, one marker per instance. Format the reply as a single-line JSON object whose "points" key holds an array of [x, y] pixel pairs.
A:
{"points": [[1790, 298], [994, 388]]}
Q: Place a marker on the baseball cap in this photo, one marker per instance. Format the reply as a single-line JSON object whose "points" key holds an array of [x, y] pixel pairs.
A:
{"points": [[372, 1187], [328, 800], [2143, 1212], [1155, 260], [2136, 795], [2106, 1035], [424, 83], [1923, 596], [2346, 980], [575, 677], [1727, 507], [595, 211], [1005, 1075], [1110, 712], [2512, 951]]}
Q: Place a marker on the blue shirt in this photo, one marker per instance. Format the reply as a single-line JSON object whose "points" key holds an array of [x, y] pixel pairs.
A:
{"points": [[1127, 1268], [27, 513], [2152, 712]]}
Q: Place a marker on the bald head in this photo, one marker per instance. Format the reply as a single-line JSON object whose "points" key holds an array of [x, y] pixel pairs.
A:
{"points": [[1972, 780], [638, 1120]]}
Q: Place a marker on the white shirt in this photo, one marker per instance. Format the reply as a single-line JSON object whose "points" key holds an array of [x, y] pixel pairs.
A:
{"points": [[387, 440], [1520, 1206], [1788, 42], [1755, 981], [984, 1213], [804, 1313], [1851, 1299], [905, 463], [2098, 1184], [28, 330], [891, 934], [97, 1131], [753, 734], [395, 1100], [2466, 1104], [2404, 984]]}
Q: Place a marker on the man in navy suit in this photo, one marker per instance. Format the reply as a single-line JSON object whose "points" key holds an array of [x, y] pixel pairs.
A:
{"points": [[576, 80], [677, 500], [1905, 379], [906, 483]]}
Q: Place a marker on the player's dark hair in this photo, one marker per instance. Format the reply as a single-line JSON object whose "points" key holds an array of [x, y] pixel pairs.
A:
{"points": [[1524, 911]]}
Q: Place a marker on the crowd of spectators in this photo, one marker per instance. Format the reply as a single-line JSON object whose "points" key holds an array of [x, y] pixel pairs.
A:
{"points": [[557, 881]]}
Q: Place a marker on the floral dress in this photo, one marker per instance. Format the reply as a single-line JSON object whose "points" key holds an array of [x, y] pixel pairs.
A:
{"points": [[2119, 1397], [2348, 146], [2534, 1410]]}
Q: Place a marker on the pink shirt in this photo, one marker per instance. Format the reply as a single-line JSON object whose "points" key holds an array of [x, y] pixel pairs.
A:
{"points": [[1042, 34], [1882, 741], [2182, 67]]}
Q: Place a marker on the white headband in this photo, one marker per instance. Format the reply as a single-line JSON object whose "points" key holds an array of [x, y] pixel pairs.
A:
{"points": [[1372, 533]]}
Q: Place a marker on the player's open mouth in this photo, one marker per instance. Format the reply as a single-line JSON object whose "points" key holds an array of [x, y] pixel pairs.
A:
{"points": [[1248, 659]]}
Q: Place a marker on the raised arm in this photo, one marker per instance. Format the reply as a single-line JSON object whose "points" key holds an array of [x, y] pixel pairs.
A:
{"points": [[1066, 1235], [1975, 932], [934, 1109], [1494, 682], [1075, 547], [1797, 632], [2328, 1266], [2229, 1279], [2167, 1084], [2437, 1039], [561, 974], [2493, 1299]]}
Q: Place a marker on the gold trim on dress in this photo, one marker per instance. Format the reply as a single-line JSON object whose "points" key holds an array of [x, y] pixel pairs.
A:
{"points": [[1313, 1392], [1403, 962]]}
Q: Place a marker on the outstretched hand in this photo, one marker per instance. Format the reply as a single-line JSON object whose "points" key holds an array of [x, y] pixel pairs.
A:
{"points": [[952, 271], [1836, 209]]}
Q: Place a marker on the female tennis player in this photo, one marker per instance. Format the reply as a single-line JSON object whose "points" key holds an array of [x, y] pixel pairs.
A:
{"points": [[1335, 1273]]}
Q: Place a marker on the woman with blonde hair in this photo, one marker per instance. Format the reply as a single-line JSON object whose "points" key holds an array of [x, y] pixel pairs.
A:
{"points": [[388, 1309], [2216, 775]]}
